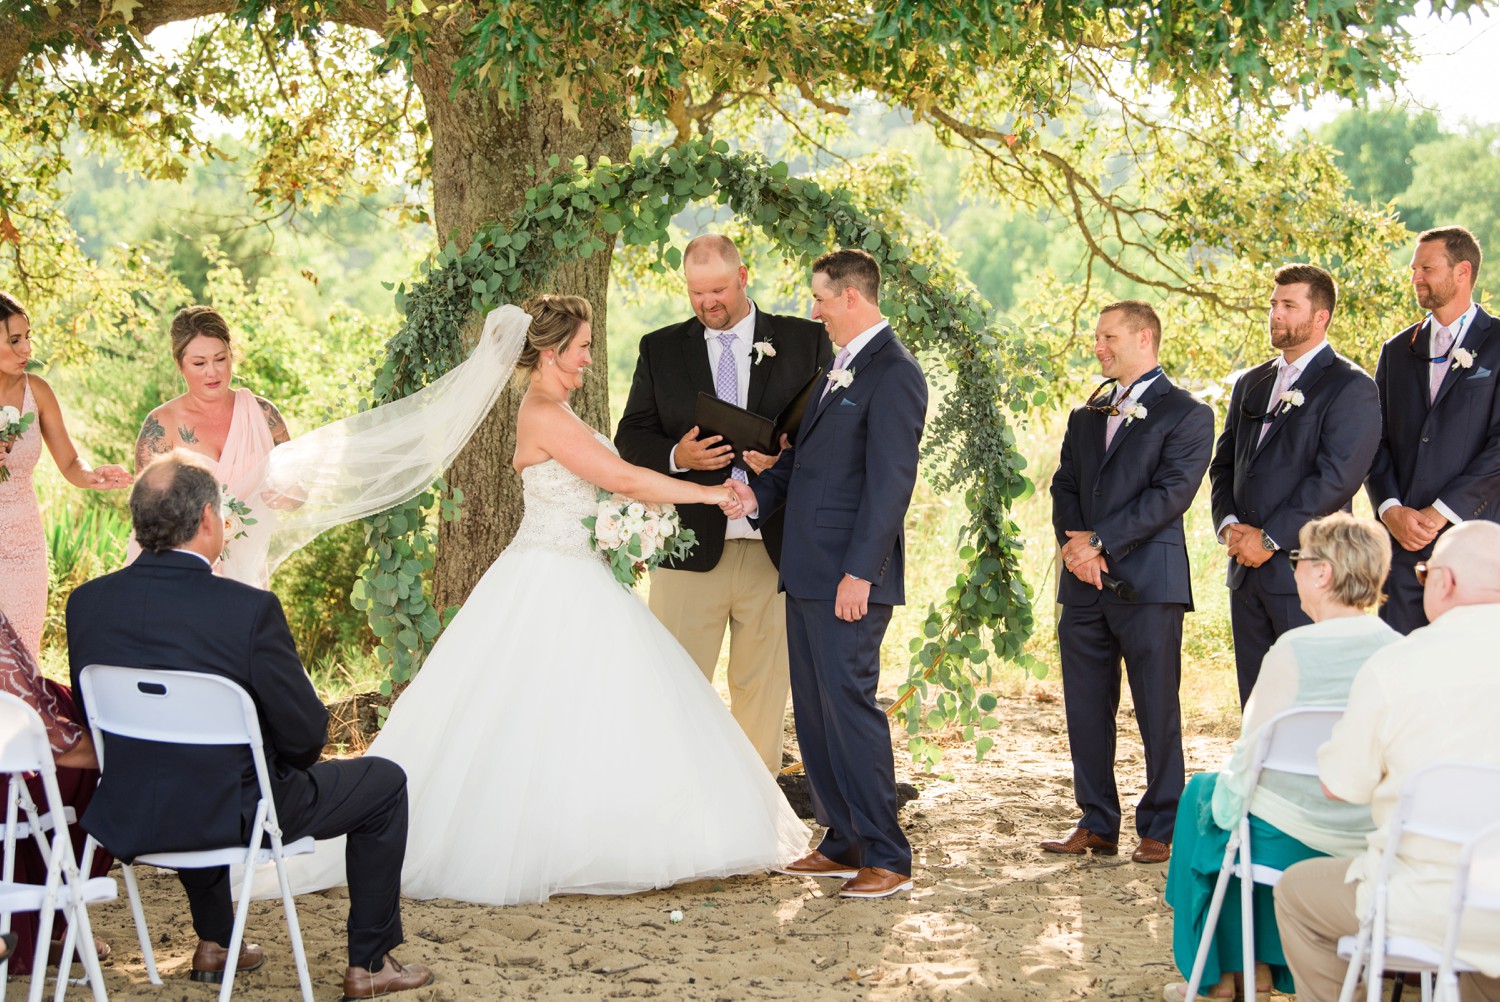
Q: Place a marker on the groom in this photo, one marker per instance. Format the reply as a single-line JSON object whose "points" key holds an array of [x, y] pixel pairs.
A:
{"points": [[846, 483]]}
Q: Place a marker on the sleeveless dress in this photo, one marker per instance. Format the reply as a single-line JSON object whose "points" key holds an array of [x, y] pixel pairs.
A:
{"points": [[558, 739], [23, 546]]}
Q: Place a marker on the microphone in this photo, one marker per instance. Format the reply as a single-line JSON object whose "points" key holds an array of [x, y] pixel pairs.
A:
{"points": [[1124, 589]]}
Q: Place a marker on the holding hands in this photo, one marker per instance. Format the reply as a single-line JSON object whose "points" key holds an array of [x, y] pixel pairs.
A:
{"points": [[107, 478], [741, 502]]}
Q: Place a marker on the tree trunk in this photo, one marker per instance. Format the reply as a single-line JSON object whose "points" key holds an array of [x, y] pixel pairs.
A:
{"points": [[480, 155]]}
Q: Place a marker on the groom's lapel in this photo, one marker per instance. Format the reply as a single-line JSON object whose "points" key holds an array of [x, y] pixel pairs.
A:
{"points": [[860, 363]]}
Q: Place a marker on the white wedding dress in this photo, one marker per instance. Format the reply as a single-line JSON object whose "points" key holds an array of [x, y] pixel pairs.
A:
{"points": [[559, 740]]}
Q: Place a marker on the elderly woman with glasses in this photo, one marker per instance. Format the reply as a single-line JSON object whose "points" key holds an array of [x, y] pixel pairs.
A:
{"points": [[1340, 568]]}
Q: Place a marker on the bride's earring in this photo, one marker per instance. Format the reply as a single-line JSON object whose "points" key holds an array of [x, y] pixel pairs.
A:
{"points": [[549, 361]]}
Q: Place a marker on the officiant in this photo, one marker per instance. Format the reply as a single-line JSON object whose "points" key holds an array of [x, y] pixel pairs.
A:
{"points": [[759, 361]]}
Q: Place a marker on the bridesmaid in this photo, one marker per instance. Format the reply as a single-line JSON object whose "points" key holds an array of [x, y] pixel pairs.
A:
{"points": [[23, 547], [233, 428]]}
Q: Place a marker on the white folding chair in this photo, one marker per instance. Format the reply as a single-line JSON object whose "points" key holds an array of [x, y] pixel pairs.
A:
{"points": [[1288, 743], [24, 749], [1475, 885], [1448, 801], [191, 708]]}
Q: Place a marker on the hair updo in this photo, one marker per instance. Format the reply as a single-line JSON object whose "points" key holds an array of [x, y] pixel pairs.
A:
{"points": [[197, 321], [554, 322]]}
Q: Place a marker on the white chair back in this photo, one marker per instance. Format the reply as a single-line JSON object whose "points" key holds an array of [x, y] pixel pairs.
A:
{"points": [[1291, 739], [23, 737]]}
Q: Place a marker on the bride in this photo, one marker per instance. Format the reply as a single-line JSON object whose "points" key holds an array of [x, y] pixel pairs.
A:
{"points": [[558, 739]]}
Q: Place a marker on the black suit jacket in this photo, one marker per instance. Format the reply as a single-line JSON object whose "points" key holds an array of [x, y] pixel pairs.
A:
{"points": [[847, 481], [168, 611], [1312, 461], [669, 374], [1448, 449], [1134, 493]]}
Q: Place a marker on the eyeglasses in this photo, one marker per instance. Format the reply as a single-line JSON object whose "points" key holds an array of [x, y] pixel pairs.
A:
{"points": [[1423, 567], [1103, 393], [1297, 556]]}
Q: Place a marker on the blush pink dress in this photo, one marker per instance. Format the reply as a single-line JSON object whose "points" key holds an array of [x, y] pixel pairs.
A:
{"points": [[23, 547], [240, 468]]}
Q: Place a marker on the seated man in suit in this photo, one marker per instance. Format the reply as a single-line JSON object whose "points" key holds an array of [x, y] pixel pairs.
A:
{"points": [[1431, 697], [169, 611]]}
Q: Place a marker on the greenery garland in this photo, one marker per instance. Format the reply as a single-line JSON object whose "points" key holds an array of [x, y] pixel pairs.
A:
{"points": [[970, 444]]}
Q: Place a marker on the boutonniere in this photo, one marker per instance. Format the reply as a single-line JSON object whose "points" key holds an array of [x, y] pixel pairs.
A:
{"points": [[1130, 410], [763, 350], [839, 379], [1290, 399], [1463, 358]]}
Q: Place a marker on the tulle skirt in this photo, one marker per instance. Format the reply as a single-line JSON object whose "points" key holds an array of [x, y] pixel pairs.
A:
{"points": [[559, 740]]}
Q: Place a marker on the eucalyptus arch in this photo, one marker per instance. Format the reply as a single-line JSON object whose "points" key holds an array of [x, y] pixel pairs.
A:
{"points": [[982, 374]]}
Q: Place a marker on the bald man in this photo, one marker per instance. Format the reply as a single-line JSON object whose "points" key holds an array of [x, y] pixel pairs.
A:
{"points": [[1432, 697], [758, 361]]}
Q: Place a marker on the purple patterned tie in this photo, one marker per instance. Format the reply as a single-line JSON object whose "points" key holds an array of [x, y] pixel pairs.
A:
{"points": [[1442, 342], [727, 386]]}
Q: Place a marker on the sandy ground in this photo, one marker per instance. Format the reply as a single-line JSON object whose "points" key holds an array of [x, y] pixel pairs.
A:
{"points": [[991, 917]]}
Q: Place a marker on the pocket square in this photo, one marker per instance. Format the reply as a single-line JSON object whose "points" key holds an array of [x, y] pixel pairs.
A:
{"points": [[1482, 373], [846, 402]]}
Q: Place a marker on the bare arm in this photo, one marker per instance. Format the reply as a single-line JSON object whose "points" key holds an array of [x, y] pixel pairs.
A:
{"points": [[152, 441], [75, 469], [557, 432], [280, 434]]}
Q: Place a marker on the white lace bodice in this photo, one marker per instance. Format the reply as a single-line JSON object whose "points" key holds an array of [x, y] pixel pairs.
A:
{"points": [[557, 501]]}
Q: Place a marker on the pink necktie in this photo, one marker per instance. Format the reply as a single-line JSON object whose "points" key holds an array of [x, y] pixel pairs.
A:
{"points": [[838, 364], [1284, 380], [1442, 341], [1112, 424]]}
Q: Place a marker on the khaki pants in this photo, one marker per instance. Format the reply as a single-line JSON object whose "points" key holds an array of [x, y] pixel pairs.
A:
{"points": [[740, 590], [1314, 907]]}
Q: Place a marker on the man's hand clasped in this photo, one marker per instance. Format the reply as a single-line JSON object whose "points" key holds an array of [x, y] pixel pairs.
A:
{"points": [[1082, 560], [1414, 528], [1245, 546]]}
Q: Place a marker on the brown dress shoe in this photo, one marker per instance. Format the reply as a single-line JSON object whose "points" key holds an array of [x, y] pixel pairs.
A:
{"points": [[1152, 851], [873, 882], [815, 864], [392, 977], [1080, 841], [209, 960]]}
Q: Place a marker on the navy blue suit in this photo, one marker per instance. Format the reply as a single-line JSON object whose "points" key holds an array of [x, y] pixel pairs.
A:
{"points": [[168, 611], [1311, 463], [1446, 449], [1133, 494], [846, 484]]}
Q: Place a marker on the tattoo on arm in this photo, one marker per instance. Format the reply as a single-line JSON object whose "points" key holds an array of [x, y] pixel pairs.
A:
{"points": [[151, 442], [279, 431], [187, 435]]}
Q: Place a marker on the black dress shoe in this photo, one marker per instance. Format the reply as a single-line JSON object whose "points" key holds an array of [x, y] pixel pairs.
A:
{"points": [[209, 960]]}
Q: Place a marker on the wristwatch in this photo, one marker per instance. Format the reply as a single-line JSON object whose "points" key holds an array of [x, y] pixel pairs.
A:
{"points": [[1267, 542], [1096, 542]]}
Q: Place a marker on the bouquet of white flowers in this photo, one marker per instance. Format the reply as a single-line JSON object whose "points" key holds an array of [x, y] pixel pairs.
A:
{"points": [[236, 520], [13, 425], [635, 536]]}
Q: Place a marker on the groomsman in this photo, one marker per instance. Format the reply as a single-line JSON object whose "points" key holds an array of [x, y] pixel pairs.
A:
{"points": [[1439, 458], [1301, 431], [1132, 459], [758, 361], [847, 482]]}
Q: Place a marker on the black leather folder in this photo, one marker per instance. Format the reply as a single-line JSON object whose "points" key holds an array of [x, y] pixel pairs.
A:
{"points": [[751, 432]]}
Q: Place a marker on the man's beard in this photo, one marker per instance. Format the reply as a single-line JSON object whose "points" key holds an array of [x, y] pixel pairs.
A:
{"points": [[1291, 336], [1436, 296]]}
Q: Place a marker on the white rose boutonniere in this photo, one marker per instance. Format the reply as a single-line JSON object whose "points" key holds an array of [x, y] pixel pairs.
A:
{"points": [[1463, 358], [1130, 410], [839, 379], [763, 350], [1290, 399]]}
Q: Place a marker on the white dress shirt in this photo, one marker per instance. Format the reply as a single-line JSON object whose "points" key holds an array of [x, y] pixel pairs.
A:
{"points": [[1461, 326]]}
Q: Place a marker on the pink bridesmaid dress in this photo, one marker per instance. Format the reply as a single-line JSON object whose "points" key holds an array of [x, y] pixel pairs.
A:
{"points": [[23, 547]]}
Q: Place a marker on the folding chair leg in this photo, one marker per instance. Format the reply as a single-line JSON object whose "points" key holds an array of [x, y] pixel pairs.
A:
{"points": [[237, 937], [139, 914], [293, 926], [1356, 965], [1215, 905]]}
